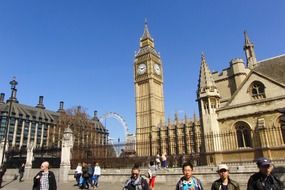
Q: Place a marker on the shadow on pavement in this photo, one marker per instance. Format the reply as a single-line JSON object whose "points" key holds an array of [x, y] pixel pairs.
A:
{"points": [[14, 179]]}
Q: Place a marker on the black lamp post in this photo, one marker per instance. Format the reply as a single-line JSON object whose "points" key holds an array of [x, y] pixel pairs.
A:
{"points": [[13, 84]]}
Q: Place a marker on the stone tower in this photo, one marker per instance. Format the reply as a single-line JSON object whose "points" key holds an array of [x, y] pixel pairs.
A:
{"points": [[208, 98], [148, 74]]}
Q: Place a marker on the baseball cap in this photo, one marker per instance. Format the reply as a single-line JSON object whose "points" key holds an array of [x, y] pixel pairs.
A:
{"points": [[222, 166], [263, 161]]}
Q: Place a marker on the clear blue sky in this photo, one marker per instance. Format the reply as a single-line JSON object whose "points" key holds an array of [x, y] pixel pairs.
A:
{"points": [[82, 51]]}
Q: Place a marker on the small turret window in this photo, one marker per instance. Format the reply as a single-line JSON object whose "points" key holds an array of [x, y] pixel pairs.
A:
{"points": [[257, 90]]}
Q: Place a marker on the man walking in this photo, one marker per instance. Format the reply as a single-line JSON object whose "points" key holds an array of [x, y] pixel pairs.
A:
{"points": [[45, 179], [224, 183], [21, 171], [264, 180]]}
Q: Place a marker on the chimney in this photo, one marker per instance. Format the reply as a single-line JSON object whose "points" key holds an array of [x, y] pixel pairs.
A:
{"points": [[78, 109], [2, 96], [60, 109], [41, 103]]}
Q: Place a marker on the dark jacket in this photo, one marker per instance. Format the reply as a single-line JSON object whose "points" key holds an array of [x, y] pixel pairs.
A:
{"points": [[138, 184], [85, 172], [22, 169], [232, 185], [51, 180], [259, 181]]}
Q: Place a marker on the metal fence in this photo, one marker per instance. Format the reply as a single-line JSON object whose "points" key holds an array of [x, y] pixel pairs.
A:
{"points": [[15, 157], [195, 150], [177, 149]]}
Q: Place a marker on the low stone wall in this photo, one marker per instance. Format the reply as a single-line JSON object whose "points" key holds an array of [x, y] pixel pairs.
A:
{"points": [[168, 176]]}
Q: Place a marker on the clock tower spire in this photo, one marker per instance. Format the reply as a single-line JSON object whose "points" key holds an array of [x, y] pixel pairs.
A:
{"points": [[148, 75]]}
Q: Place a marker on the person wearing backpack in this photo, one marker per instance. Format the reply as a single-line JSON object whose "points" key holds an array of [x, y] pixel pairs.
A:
{"points": [[136, 182], [188, 181]]}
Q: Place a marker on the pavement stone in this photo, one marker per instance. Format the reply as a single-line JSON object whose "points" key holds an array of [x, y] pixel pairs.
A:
{"points": [[27, 185]]}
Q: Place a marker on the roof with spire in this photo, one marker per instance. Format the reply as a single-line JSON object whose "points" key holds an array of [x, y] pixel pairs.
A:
{"points": [[247, 42], [146, 34], [147, 44], [206, 80]]}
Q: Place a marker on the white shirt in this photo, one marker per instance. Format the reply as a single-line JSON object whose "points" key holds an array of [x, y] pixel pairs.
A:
{"points": [[78, 169], [97, 170]]}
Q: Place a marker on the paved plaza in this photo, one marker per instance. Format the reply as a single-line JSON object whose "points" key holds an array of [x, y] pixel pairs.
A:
{"points": [[26, 185]]}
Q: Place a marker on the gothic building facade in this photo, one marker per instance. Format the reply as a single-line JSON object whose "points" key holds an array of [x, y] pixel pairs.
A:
{"points": [[239, 108]]}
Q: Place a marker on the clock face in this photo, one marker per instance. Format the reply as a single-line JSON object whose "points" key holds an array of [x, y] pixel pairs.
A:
{"points": [[157, 69], [141, 69]]}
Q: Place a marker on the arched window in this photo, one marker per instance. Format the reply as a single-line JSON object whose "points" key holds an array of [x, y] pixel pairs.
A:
{"points": [[257, 90], [243, 133]]}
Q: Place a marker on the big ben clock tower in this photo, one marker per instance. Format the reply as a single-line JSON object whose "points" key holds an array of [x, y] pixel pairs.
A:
{"points": [[148, 74]]}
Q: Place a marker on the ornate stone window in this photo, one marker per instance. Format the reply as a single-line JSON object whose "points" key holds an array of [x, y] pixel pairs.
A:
{"points": [[243, 133], [257, 90]]}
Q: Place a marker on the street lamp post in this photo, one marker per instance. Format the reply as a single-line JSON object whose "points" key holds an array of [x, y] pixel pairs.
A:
{"points": [[13, 84]]}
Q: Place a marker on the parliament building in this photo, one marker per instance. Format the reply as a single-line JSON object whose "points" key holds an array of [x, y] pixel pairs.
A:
{"points": [[241, 109], [42, 128]]}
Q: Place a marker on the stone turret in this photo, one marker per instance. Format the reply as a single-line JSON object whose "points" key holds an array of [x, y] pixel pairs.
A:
{"points": [[249, 52], [208, 98]]}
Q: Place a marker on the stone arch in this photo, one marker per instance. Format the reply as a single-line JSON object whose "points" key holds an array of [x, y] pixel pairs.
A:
{"points": [[279, 122]]}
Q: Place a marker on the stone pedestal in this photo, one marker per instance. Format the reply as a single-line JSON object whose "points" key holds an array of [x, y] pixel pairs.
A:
{"points": [[30, 155], [1, 151], [67, 144]]}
